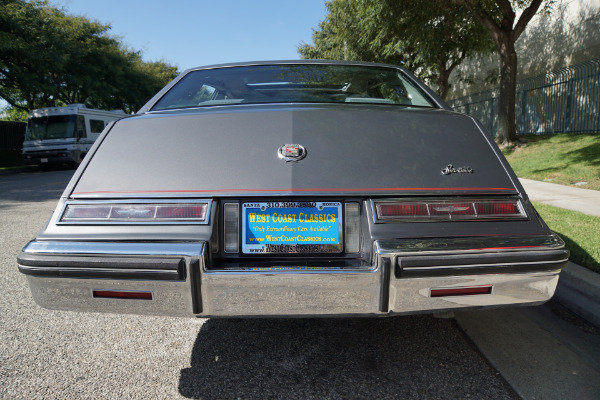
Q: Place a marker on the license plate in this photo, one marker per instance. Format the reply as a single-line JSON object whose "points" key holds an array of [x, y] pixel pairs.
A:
{"points": [[44, 160], [292, 227]]}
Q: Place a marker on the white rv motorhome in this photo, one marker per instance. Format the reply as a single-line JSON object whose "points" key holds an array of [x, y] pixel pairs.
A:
{"points": [[58, 135]]}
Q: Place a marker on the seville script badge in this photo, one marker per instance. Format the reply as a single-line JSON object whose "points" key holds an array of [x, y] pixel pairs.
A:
{"points": [[292, 152], [461, 170]]}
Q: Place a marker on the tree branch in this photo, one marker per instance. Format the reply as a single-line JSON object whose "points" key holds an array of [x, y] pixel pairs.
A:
{"points": [[457, 62], [526, 17], [13, 103], [485, 18], [506, 7]]}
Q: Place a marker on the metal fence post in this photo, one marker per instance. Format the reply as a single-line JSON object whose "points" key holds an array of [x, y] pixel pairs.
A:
{"points": [[568, 111], [492, 118], [523, 110]]}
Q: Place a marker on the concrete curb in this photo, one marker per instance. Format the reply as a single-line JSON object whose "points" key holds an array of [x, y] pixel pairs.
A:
{"points": [[579, 290]]}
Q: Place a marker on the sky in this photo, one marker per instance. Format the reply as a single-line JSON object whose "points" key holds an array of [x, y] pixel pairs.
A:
{"points": [[188, 33]]}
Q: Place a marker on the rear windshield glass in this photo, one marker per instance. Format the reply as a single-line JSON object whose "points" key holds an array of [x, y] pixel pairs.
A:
{"points": [[313, 83]]}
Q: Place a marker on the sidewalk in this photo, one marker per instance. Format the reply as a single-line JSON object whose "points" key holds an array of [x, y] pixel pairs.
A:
{"points": [[539, 350], [582, 200]]}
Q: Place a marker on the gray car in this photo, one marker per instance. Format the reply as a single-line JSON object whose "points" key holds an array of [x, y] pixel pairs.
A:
{"points": [[296, 188]]}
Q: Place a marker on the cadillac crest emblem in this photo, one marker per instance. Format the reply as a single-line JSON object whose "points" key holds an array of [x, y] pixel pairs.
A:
{"points": [[291, 152]]}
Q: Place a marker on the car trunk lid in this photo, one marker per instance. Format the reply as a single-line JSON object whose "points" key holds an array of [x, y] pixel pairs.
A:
{"points": [[366, 150]]}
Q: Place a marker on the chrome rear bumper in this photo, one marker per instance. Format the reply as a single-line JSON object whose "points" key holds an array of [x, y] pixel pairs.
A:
{"points": [[408, 276]]}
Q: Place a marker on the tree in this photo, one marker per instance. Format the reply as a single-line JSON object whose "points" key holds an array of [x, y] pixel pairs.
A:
{"points": [[498, 17], [328, 43], [13, 114], [141, 81], [431, 41], [27, 46], [49, 58]]}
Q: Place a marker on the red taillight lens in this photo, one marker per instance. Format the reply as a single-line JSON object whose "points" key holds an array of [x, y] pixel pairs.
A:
{"points": [[181, 212], [497, 208], [402, 210], [132, 212], [426, 210], [86, 212]]}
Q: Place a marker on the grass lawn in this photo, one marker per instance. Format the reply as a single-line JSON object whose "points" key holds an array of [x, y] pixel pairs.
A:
{"points": [[561, 158], [580, 232]]}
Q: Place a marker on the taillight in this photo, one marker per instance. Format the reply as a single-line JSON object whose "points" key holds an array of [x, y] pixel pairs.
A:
{"points": [[133, 212], [448, 210]]}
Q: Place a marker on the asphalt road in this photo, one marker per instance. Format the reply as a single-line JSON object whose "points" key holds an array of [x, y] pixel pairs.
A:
{"points": [[51, 354]]}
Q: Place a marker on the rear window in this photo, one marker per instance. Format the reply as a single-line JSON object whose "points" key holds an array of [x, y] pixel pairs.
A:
{"points": [[310, 83]]}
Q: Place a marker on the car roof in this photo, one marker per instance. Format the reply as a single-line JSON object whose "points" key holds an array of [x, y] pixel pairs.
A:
{"points": [[296, 62]]}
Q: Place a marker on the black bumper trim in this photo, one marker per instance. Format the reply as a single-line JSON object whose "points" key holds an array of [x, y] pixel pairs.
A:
{"points": [[440, 265], [102, 267], [384, 300]]}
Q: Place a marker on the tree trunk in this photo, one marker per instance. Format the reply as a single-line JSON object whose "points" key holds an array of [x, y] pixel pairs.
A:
{"points": [[507, 129], [504, 33], [443, 84]]}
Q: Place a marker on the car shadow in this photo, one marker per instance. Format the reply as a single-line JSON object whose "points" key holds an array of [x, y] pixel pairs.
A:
{"points": [[400, 357]]}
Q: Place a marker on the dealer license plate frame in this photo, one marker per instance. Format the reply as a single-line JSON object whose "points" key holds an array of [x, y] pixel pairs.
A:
{"points": [[328, 231]]}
